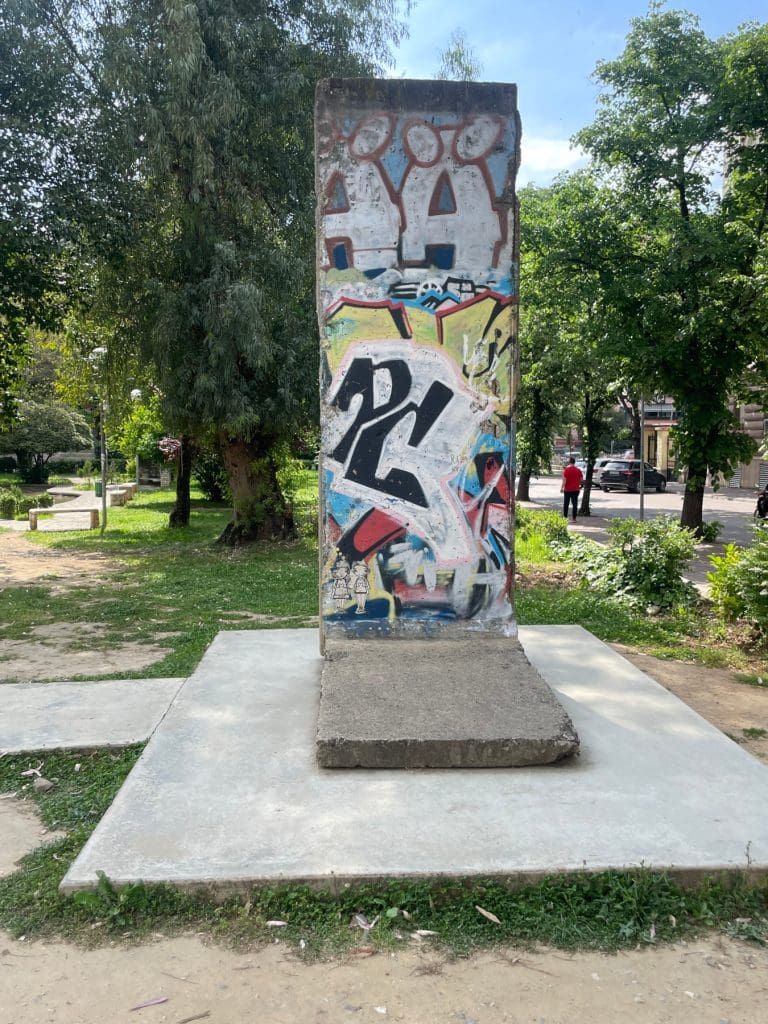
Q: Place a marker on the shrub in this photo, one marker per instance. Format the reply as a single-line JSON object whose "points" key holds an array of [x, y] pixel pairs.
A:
{"points": [[8, 504], [548, 524], [723, 581], [7, 464], [211, 476], [642, 564], [711, 531], [35, 473], [740, 580]]}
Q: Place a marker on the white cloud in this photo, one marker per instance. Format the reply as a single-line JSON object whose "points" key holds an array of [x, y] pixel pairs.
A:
{"points": [[542, 159]]}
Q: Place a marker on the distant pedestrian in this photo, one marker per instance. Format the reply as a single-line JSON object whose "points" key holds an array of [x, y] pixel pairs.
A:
{"points": [[570, 487]]}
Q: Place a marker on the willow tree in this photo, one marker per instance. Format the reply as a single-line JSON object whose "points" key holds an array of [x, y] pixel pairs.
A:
{"points": [[218, 279]]}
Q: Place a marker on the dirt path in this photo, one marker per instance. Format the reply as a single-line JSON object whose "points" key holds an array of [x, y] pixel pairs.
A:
{"points": [[22, 563], [712, 982]]}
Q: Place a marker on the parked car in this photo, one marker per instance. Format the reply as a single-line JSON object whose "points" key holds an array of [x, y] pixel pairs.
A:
{"points": [[624, 474], [597, 476]]}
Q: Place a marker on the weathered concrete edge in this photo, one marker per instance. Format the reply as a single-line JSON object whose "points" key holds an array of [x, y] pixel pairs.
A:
{"points": [[688, 876], [341, 752]]}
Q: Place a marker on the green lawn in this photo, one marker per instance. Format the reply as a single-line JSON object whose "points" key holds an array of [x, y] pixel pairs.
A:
{"points": [[178, 588], [170, 581]]}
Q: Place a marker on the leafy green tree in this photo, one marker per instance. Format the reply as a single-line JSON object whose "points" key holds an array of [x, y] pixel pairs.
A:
{"points": [[458, 61], [573, 239], [665, 122], [41, 429], [217, 281], [57, 177]]}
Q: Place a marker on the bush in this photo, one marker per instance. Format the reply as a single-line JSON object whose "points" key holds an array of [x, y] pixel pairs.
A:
{"points": [[550, 525], [211, 476], [8, 504], [32, 501], [35, 473], [740, 581], [65, 465], [642, 565], [723, 588], [711, 531], [7, 464]]}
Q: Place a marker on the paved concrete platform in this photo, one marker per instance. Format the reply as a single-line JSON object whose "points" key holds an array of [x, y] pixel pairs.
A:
{"points": [[469, 702], [228, 790], [72, 716]]}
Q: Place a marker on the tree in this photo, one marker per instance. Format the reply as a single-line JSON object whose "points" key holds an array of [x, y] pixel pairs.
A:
{"points": [[217, 280], [42, 429], [575, 265], [458, 61], [543, 390], [674, 103], [57, 178]]}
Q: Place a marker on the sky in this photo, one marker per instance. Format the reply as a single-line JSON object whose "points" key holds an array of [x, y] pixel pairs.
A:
{"points": [[549, 48]]}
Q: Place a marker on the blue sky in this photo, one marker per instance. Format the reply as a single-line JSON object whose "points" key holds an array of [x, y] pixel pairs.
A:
{"points": [[549, 48]]}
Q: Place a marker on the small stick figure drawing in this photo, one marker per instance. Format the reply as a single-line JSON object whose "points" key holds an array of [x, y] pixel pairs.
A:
{"points": [[341, 591], [361, 585]]}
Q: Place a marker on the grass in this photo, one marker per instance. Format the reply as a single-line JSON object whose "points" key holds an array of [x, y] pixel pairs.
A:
{"points": [[750, 679], [607, 911], [170, 581], [175, 587]]}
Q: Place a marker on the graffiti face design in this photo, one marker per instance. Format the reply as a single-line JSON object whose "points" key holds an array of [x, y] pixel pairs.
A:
{"points": [[418, 351]]}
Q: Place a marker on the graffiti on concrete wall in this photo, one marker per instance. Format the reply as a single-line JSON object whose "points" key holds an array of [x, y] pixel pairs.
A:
{"points": [[417, 294]]}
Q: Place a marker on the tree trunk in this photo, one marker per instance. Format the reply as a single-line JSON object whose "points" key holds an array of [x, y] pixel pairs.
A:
{"points": [[585, 510], [524, 486], [693, 506], [180, 512], [260, 509]]}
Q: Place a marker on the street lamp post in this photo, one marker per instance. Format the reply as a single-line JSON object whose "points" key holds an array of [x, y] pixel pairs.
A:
{"points": [[97, 360], [136, 396], [642, 459]]}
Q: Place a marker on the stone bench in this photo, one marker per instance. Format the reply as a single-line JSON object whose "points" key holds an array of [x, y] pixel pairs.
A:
{"points": [[93, 515]]}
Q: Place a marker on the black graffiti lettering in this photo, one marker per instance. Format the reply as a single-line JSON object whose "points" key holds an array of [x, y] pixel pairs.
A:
{"points": [[372, 426], [359, 381]]}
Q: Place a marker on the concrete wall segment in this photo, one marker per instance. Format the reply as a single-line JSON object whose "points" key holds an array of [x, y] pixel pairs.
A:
{"points": [[417, 292]]}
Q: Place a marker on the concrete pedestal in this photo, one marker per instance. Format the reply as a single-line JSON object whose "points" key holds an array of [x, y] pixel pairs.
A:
{"points": [[228, 791], [464, 703]]}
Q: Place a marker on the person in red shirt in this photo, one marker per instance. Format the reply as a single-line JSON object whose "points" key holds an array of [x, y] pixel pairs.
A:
{"points": [[572, 477]]}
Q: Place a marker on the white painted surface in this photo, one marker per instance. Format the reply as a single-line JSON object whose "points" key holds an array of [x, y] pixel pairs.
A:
{"points": [[228, 789]]}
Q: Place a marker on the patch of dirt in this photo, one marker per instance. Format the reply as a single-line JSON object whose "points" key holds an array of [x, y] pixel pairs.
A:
{"points": [[542, 576], [61, 650], [714, 694], [22, 563], [21, 832], [717, 980], [265, 620]]}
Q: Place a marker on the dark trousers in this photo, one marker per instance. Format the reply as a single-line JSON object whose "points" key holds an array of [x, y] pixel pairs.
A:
{"points": [[568, 498]]}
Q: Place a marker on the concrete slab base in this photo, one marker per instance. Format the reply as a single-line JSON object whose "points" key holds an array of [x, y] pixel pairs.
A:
{"points": [[76, 716], [474, 702], [228, 791]]}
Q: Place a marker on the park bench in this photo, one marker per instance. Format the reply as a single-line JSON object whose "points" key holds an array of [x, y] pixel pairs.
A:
{"points": [[93, 514]]}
